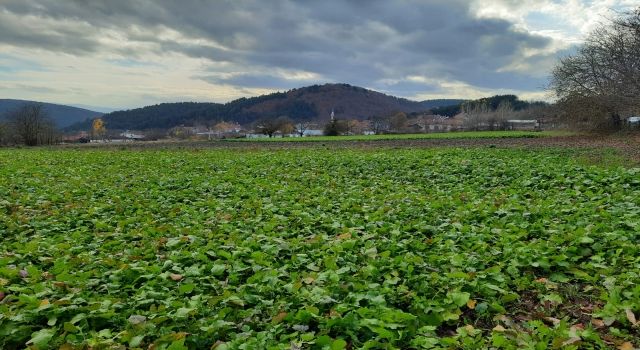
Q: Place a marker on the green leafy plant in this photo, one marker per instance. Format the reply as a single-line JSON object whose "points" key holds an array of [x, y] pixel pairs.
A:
{"points": [[321, 249]]}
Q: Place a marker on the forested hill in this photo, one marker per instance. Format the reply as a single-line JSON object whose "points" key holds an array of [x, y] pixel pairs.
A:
{"points": [[62, 115], [160, 116], [307, 103]]}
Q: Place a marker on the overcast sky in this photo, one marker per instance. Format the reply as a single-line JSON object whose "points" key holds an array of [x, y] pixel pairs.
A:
{"points": [[130, 53]]}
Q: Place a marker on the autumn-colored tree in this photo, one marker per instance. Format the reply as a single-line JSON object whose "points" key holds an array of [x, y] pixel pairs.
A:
{"points": [[286, 126], [98, 128], [223, 127], [357, 127]]}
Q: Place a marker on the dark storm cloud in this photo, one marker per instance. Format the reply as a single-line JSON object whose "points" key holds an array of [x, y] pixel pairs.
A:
{"points": [[359, 42]]}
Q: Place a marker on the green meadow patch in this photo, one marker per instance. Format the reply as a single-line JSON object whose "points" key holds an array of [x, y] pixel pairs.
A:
{"points": [[317, 249]]}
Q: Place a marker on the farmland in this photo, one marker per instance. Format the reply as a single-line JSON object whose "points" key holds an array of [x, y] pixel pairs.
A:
{"points": [[423, 136], [378, 248]]}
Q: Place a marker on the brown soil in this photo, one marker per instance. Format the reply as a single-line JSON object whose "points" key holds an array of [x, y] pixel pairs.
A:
{"points": [[594, 148]]}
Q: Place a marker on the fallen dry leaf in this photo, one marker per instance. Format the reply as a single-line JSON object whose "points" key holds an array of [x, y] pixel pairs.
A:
{"points": [[344, 236], [175, 277], [471, 304], [45, 302], [631, 317], [279, 317], [499, 328], [570, 341], [218, 343], [626, 346], [597, 323], [553, 320]]}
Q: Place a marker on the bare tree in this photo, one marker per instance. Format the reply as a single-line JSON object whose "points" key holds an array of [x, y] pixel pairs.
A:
{"points": [[380, 124], [32, 126], [475, 114], [604, 75], [423, 122], [502, 114], [285, 126], [398, 121], [302, 126], [269, 126]]}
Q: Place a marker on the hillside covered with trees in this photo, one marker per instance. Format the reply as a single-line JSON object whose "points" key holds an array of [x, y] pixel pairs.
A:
{"points": [[308, 103], [61, 115]]}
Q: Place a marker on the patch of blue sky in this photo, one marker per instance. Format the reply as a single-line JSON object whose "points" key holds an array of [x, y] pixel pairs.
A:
{"points": [[13, 64], [538, 21], [127, 62]]}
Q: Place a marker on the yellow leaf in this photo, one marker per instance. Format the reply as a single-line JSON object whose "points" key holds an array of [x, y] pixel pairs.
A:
{"points": [[344, 236], [471, 304], [469, 328], [44, 303], [279, 317], [179, 335], [308, 280], [175, 277], [597, 323], [499, 328], [626, 346]]}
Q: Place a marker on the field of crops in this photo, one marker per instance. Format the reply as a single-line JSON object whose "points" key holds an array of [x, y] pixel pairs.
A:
{"points": [[318, 249], [431, 136]]}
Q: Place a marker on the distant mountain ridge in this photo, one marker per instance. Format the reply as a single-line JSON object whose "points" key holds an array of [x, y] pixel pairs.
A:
{"points": [[307, 103], [62, 115]]}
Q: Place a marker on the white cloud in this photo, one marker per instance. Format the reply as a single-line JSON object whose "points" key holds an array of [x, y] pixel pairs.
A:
{"points": [[127, 54]]}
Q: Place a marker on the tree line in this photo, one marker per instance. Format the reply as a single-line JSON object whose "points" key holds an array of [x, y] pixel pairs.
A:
{"points": [[28, 125]]}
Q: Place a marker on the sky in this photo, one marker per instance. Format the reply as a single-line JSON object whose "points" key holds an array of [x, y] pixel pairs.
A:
{"points": [[114, 54]]}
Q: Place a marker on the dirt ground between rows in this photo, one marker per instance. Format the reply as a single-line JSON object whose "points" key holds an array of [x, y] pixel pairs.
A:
{"points": [[625, 148]]}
